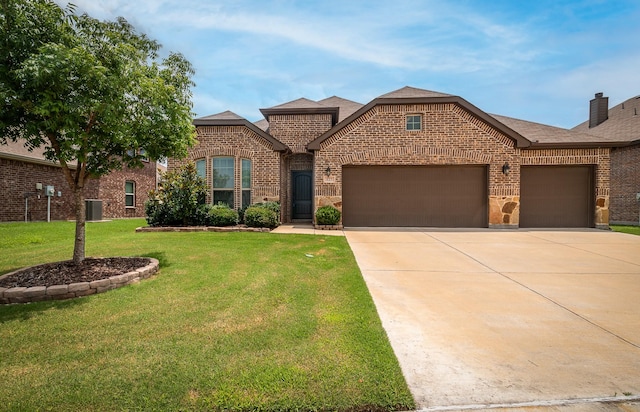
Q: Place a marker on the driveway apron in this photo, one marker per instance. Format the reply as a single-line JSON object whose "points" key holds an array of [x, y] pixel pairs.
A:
{"points": [[486, 317]]}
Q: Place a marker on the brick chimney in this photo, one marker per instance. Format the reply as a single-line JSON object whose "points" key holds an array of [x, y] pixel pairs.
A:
{"points": [[598, 110]]}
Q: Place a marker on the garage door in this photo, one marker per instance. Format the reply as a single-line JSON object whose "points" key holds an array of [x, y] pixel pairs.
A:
{"points": [[422, 196], [556, 196]]}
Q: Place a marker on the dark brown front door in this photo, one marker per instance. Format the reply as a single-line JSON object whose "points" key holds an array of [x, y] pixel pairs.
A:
{"points": [[301, 188], [556, 196], [422, 196]]}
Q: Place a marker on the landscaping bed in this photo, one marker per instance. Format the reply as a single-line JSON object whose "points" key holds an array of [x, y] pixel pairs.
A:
{"points": [[238, 228], [66, 280]]}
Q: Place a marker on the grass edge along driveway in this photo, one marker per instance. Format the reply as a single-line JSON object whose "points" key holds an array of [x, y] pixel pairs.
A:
{"points": [[233, 321]]}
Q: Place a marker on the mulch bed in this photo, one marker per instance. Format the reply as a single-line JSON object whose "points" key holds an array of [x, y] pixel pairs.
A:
{"points": [[66, 273]]}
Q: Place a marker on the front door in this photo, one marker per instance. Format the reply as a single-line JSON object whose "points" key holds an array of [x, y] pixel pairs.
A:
{"points": [[301, 188]]}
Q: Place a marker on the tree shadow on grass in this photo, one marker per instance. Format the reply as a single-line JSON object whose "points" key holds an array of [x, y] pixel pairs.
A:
{"points": [[25, 311], [161, 256]]}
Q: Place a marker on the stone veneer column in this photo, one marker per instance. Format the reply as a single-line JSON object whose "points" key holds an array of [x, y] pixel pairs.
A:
{"points": [[504, 211]]}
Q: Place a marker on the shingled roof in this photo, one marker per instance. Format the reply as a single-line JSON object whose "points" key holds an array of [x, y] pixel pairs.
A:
{"points": [[302, 106], [623, 124], [409, 92], [18, 151], [542, 135], [347, 107], [229, 118]]}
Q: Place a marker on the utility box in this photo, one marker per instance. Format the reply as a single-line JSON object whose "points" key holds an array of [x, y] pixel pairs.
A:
{"points": [[93, 209]]}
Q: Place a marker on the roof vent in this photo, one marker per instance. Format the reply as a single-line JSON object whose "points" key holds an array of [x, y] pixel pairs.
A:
{"points": [[598, 110]]}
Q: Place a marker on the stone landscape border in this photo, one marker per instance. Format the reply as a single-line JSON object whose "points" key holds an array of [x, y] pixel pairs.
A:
{"points": [[74, 290], [202, 229]]}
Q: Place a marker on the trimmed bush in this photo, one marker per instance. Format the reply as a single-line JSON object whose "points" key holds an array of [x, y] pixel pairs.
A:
{"points": [[260, 216], [221, 215], [327, 215], [274, 206]]}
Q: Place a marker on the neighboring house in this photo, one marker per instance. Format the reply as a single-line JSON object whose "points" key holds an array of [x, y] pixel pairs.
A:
{"points": [[411, 157], [620, 123], [25, 175]]}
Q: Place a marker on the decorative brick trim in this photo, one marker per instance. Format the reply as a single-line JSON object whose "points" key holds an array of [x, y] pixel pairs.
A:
{"points": [[561, 156], [483, 126], [505, 190], [259, 140], [349, 128], [74, 290], [328, 190], [429, 155]]}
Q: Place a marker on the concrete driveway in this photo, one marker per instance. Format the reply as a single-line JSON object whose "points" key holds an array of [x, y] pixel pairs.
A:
{"points": [[519, 318]]}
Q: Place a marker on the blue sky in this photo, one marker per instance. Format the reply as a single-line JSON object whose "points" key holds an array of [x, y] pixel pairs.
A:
{"points": [[535, 60]]}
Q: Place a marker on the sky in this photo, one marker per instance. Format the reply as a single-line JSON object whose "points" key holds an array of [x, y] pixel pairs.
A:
{"points": [[540, 60]]}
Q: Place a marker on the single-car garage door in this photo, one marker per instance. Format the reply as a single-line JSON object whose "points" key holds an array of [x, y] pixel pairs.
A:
{"points": [[556, 196], [422, 196]]}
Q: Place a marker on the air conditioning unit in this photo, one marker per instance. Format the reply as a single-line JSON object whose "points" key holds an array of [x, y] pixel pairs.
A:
{"points": [[93, 209]]}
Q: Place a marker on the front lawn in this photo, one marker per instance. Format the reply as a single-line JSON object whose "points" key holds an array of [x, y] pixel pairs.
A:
{"points": [[233, 321], [632, 230]]}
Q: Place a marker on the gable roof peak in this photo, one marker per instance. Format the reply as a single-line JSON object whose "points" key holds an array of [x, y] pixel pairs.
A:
{"points": [[226, 115], [301, 103], [412, 92]]}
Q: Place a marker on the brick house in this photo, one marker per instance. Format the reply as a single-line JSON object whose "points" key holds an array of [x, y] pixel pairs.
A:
{"points": [[25, 175], [411, 157], [622, 124]]}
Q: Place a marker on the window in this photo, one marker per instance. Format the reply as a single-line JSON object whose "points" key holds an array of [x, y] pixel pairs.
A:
{"points": [[414, 122], [223, 180], [130, 194], [246, 182], [201, 168], [143, 153]]}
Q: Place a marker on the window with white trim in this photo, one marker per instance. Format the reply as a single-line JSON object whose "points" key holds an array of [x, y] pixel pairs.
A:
{"points": [[130, 193], [223, 180]]}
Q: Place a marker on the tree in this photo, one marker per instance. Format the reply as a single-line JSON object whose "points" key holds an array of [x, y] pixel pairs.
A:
{"points": [[94, 94]]}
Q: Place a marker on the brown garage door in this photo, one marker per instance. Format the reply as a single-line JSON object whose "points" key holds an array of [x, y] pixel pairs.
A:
{"points": [[556, 196], [423, 196]]}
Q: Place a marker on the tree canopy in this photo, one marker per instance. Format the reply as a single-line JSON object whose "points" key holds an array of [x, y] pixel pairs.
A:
{"points": [[94, 94]]}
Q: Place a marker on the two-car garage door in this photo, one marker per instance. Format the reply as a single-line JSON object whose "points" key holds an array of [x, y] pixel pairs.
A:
{"points": [[421, 196]]}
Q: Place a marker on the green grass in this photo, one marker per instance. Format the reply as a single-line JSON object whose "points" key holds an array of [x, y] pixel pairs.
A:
{"points": [[233, 321], [632, 230]]}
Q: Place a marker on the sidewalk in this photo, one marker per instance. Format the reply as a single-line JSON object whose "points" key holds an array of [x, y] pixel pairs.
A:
{"points": [[305, 229]]}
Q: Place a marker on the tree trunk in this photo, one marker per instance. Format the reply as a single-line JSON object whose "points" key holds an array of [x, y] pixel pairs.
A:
{"points": [[78, 246]]}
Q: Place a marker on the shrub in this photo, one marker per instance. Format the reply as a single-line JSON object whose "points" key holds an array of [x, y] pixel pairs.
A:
{"points": [[180, 200], [222, 215], [241, 211], [273, 206], [260, 216], [327, 215]]}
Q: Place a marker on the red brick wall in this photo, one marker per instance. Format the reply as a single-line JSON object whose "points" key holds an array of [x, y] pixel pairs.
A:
{"points": [[297, 130], [625, 183], [18, 178], [241, 143], [112, 191]]}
